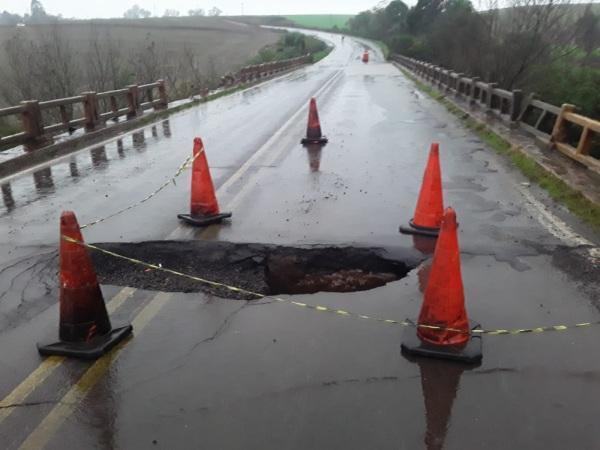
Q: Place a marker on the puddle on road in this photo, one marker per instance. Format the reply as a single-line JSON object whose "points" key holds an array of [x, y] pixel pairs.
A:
{"points": [[261, 268]]}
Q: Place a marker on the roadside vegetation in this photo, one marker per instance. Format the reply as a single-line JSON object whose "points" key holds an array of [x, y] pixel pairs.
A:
{"points": [[550, 48], [292, 45]]}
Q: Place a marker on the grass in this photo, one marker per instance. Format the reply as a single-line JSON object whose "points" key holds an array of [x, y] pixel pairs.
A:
{"points": [[318, 56], [556, 188], [323, 21], [384, 48]]}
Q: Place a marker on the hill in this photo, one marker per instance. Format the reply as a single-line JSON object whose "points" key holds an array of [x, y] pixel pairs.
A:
{"points": [[194, 48], [315, 21], [323, 21]]}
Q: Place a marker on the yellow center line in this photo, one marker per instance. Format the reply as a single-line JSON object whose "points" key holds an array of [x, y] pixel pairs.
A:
{"points": [[48, 365], [187, 232], [55, 418], [118, 300], [28, 385]]}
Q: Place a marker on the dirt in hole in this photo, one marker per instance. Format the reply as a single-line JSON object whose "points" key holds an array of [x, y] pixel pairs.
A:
{"points": [[261, 268]]}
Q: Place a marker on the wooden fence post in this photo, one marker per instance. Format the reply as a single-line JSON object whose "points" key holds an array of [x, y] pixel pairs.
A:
{"points": [[90, 110], [133, 101], [162, 95], [31, 119], [559, 132], [585, 142]]}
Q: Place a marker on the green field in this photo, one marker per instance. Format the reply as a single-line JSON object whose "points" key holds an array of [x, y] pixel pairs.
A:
{"points": [[324, 21]]}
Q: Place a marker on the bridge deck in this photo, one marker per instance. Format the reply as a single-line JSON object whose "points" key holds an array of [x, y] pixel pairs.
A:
{"points": [[204, 372]]}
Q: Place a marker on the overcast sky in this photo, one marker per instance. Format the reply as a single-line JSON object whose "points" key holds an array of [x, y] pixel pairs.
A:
{"points": [[115, 8]]}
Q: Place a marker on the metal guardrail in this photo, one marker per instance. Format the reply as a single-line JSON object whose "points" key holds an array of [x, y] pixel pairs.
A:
{"points": [[90, 110], [574, 135]]}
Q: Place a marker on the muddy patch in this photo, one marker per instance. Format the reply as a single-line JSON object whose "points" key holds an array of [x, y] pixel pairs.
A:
{"points": [[260, 268]]}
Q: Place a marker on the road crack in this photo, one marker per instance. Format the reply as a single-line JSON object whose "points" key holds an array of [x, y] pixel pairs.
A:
{"points": [[27, 404]]}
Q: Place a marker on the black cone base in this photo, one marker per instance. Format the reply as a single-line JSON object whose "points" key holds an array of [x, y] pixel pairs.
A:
{"points": [[202, 221], [321, 141], [416, 229], [470, 353], [93, 349]]}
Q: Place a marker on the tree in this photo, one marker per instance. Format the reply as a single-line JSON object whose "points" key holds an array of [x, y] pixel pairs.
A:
{"points": [[104, 62], [423, 14], [381, 22], [149, 61], [196, 12], [455, 37], [395, 17], [361, 24], [19, 79], [214, 12], [135, 12], [588, 31], [525, 36], [56, 64], [7, 18], [37, 10], [171, 13], [42, 69]]}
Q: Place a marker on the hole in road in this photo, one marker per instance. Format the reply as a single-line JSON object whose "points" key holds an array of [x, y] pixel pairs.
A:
{"points": [[330, 270], [261, 268]]}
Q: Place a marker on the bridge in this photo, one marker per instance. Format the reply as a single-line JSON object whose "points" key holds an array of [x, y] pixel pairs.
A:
{"points": [[320, 370]]}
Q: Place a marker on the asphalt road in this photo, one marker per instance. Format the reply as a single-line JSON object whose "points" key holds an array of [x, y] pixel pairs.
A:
{"points": [[212, 373]]}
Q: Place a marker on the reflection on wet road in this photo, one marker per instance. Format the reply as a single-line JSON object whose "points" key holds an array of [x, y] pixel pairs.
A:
{"points": [[440, 383], [80, 165], [206, 372]]}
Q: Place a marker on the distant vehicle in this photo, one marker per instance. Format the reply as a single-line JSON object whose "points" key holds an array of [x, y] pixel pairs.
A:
{"points": [[20, 25]]}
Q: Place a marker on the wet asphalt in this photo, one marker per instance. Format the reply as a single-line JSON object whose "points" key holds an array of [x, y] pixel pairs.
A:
{"points": [[213, 373]]}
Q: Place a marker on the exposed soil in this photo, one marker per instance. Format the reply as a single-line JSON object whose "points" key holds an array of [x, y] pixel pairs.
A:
{"points": [[260, 268]]}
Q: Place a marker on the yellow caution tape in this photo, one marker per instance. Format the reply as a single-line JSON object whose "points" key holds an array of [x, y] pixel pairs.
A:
{"points": [[187, 163], [339, 312]]}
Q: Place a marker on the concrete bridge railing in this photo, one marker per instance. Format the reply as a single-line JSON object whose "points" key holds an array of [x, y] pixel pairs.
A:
{"points": [[258, 71], [41, 120], [89, 110], [574, 135]]}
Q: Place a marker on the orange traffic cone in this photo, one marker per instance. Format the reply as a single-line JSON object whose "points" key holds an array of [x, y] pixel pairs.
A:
{"points": [[204, 208], [430, 205], [443, 329], [313, 130], [85, 330], [365, 56]]}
